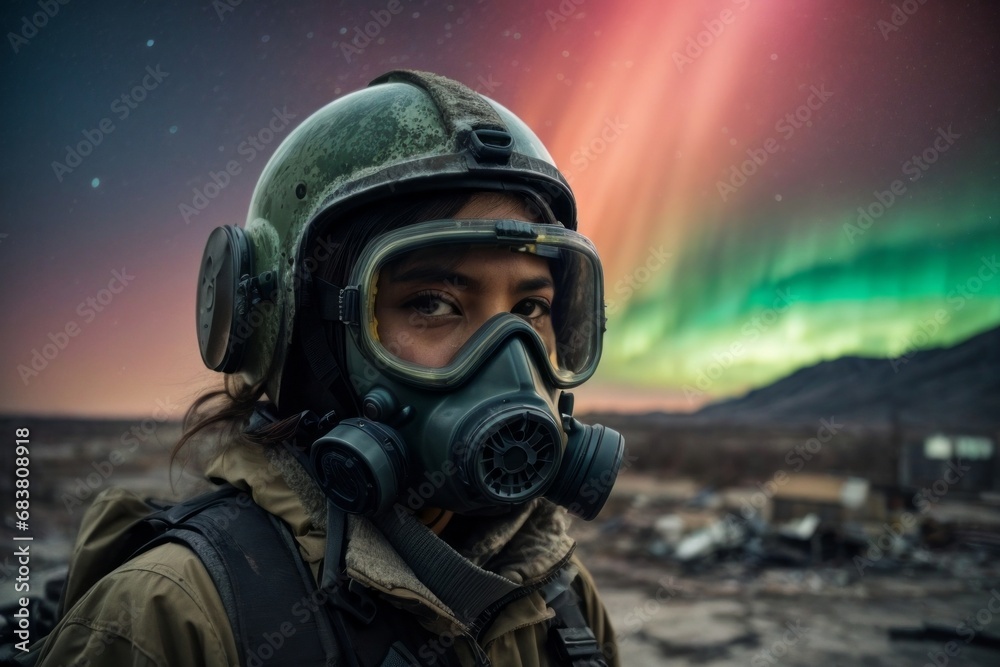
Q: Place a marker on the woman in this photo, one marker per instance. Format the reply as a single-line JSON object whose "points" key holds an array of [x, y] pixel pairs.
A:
{"points": [[398, 322]]}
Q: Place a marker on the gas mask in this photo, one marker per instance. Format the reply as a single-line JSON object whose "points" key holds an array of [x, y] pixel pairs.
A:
{"points": [[464, 336]]}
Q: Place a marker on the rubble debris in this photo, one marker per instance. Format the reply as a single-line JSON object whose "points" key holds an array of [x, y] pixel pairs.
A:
{"points": [[800, 529], [799, 521], [719, 536]]}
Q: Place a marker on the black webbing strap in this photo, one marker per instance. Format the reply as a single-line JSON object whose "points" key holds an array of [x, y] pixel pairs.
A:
{"points": [[335, 582], [276, 620], [336, 529], [314, 342], [353, 610], [570, 637], [468, 590]]}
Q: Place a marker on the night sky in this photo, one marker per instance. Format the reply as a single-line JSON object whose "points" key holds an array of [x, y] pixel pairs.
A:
{"points": [[720, 152]]}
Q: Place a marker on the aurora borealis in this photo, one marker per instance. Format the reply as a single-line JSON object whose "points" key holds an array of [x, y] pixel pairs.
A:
{"points": [[770, 184]]}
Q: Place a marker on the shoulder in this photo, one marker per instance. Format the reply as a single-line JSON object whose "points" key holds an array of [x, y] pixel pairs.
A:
{"points": [[160, 608], [594, 611], [173, 573]]}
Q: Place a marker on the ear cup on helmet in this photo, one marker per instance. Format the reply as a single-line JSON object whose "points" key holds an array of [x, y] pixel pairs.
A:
{"points": [[221, 303]]}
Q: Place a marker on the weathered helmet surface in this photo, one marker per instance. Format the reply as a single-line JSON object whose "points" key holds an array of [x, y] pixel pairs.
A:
{"points": [[407, 132]]}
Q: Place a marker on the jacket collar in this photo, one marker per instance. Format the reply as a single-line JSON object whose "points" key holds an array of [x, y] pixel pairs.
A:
{"points": [[524, 546]]}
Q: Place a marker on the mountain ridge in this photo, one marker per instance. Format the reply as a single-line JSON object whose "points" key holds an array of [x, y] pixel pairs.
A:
{"points": [[956, 386]]}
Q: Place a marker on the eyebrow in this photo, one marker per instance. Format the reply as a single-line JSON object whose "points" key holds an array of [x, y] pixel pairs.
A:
{"points": [[436, 274], [534, 284]]}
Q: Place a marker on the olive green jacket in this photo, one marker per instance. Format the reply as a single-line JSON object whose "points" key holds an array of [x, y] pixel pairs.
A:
{"points": [[162, 609]]}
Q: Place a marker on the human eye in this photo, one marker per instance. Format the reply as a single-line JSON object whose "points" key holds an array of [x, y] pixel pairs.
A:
{"points": [[432, 304], [532, 308]]}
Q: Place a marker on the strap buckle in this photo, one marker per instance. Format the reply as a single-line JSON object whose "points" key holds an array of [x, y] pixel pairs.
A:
{"points": [[338, 304], [576, 643], [352, 597]]}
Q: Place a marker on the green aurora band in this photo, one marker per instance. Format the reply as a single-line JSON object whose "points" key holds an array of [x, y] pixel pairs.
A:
{"points": [[740, 309]]}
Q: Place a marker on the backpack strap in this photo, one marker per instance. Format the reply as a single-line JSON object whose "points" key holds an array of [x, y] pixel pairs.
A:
{"points": [[276, 620], [366, 642], [570, 638]]}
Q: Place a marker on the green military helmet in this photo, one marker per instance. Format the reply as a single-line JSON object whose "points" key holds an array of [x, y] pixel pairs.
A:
{"points": [[407, 132]]}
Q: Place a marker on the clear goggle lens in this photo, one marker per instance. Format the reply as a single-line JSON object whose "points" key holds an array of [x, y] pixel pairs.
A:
{"points": [[440, 296]]}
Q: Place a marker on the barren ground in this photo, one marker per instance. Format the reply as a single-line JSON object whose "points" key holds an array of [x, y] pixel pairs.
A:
{"points": [[722, 612]]}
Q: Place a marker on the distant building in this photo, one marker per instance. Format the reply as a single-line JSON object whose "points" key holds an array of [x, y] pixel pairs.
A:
{"points": [[966, 464], [833, 499]]}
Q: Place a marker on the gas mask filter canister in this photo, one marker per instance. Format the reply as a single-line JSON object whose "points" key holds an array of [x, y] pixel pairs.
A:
{"points": [[483, 431]]}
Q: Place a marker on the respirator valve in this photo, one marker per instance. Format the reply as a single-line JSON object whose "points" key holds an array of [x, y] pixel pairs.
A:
{"points": [[513, 454]]}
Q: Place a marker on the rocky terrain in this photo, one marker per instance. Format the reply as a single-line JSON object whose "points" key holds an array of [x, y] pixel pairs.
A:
{"points": [[695, 564], [726, 608]]}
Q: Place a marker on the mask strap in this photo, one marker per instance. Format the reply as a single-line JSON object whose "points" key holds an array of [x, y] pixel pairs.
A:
{"points": [[307, 427], [320, 298]]}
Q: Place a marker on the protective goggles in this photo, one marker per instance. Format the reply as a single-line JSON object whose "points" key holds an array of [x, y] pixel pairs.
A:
{"points": [[433, 300]]}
